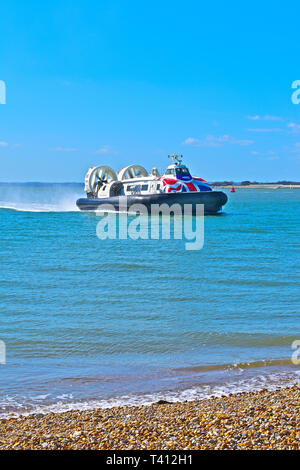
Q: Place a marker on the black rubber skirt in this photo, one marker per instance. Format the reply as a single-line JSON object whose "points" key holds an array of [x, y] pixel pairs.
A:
{"points": [[213, 202]]}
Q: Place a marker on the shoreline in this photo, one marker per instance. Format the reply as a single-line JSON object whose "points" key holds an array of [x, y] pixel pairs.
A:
{"points": [[250, 420], [257, 186]]}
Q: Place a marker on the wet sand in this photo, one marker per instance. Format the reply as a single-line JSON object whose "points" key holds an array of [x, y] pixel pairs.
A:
{"points": [[255, 420]]}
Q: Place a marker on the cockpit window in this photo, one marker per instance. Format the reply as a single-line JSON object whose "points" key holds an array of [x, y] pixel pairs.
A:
{"points": [[170, 171], [182, 171]]}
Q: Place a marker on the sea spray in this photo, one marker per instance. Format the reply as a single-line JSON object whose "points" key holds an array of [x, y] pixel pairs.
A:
{"points": [[40, 197]]}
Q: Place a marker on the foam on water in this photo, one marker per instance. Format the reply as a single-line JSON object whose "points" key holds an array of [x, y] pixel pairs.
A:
{"points": [[60, 207], [14, 406], [37, 197]]}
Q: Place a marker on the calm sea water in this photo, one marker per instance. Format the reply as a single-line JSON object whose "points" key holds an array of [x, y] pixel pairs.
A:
{"points": [[96, 323]]}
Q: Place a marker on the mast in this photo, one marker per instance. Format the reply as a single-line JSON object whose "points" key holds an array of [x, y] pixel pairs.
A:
{"points": [[177, 159]]}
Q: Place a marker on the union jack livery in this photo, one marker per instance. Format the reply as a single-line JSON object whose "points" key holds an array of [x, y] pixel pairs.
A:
{"points": [[171, 185], [134, 185], [177, 178]]}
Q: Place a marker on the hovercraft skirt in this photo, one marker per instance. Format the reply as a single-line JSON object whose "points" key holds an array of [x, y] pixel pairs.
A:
{"points": [[212, 201]]}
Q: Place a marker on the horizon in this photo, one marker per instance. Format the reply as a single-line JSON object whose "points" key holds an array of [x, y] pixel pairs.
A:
{"points": [[209, 182]]}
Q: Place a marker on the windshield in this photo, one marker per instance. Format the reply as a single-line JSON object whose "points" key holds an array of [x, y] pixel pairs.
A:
{"points": [[182, 171], [170, 171]]}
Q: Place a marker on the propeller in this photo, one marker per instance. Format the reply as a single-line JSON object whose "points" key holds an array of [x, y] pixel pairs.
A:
{"points": [[98, 177], [101, 182]]}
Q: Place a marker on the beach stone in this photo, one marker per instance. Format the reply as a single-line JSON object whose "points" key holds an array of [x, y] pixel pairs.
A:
{"points": [[221, 423]]}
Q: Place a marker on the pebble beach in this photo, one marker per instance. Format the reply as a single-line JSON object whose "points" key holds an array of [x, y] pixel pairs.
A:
{"points": [[254, 420]]}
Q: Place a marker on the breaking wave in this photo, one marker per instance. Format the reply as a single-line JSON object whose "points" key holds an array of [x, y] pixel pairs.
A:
{"points": [[21, 406]]}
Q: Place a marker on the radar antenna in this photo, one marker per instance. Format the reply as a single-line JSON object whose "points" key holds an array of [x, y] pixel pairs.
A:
{"points": [[176, 158]]}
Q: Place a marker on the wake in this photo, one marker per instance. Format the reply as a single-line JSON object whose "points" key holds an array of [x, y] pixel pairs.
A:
{"points": [[39, 197], [37, 207]]}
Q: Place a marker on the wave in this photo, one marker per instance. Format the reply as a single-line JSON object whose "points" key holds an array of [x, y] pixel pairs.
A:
{"points": [[15, 406], [241, 365]]}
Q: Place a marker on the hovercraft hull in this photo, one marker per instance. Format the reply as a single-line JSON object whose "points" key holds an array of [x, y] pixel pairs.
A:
{"points": [[212, 201]]}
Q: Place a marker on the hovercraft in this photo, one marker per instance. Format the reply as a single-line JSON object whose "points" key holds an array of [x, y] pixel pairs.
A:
{"points": [[134, 185]]}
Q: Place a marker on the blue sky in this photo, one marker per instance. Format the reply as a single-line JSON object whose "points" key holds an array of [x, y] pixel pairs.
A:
{"points": [[119, 82]]}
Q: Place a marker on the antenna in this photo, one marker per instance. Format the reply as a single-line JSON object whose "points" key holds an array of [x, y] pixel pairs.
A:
{"points": [[176, 158]]}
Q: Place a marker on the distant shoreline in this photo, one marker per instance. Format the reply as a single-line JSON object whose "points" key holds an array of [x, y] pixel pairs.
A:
{"points": [[214, 185], [258, 186]]}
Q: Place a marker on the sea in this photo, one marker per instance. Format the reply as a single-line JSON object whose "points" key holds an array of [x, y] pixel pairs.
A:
{"points": [[87, 323]]}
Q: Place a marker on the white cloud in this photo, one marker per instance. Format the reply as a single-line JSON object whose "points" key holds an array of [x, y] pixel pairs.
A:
{"points": [[269, 155], [295, 148], [272, 118], [215, 141], [66, 149], [253, 118], [5, 144], [295, 128], [190, 141], [267, 117], [265, 129], [232, 140], [105, 149]]}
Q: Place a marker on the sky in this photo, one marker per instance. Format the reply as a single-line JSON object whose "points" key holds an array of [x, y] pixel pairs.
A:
{"points": [[120, 82]]}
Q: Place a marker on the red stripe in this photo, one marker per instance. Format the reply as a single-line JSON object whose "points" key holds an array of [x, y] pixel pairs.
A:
{"points": [[169, 181], [199, 179], [191, 186]]}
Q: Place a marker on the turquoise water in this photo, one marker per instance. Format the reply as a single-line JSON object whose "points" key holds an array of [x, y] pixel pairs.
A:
{"points": [[95, 323]]}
